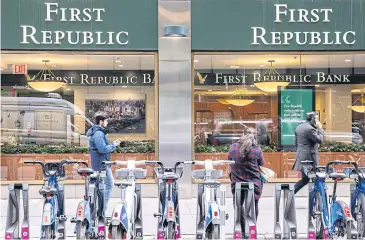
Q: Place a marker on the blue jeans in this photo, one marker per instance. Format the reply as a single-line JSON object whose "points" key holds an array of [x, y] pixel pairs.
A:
{"points": [[109, 183]]}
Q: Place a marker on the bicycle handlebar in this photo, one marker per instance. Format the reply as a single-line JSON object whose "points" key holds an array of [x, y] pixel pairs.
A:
{"points": [[163, 167], [337, 162], [58, 164], [214, 163]]}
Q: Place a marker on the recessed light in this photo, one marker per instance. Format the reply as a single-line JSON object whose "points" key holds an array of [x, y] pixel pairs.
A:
{"points": [[210, 90], [68, 89], [348, 60], [196, 60], [234, 66], [54, 65], [124, 86], [118, 60], [262, 65], [120, 65], [316, 85]]}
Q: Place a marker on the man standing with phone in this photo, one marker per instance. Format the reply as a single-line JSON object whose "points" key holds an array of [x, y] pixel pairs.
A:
{"points": [[308, 136], [100, 150]]}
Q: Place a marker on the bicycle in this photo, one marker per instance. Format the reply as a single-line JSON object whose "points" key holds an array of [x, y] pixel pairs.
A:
{"points": [[358, 198], [90, 220], [208, 207], [53, 212], [169, 218], [125, 222], [332, 217]]}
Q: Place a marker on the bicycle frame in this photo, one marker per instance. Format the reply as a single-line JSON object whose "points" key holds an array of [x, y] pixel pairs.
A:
{"points": [[89, 209], [124, 214], [209, 175], [50, 207]]}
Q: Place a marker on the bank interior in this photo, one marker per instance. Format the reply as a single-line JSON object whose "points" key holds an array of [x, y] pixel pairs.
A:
{"points": [[227, 98]]}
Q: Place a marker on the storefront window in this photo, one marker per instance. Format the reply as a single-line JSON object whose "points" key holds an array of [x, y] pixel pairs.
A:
{"points": [[272, 93], [52, 125]]}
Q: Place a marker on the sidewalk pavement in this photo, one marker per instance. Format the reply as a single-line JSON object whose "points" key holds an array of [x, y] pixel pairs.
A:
{"points": [[187, 214]]}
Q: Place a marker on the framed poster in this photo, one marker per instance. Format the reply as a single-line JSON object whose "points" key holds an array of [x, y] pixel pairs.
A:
{"points": [[124, 116], [294, 103]]}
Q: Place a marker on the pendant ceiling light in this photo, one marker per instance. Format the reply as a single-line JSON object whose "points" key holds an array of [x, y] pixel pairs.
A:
{"points": [[271, 80], [222, 101], [239, 98], [359, 108], [45, 80]]}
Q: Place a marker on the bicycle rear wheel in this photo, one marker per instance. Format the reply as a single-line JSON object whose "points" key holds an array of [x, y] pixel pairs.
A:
{"points": [[117, 233], [81, 230], [318, 217], [360, 215]]}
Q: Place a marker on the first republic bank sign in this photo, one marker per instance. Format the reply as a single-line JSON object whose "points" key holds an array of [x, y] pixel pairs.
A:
{"points": [[285, 14], [73, 15]]}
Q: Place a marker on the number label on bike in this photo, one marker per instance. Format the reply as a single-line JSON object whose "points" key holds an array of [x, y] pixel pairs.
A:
{"points": [[347, 212]]}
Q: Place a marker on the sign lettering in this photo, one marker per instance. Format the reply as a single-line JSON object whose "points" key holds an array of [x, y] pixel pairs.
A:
{"points": [[54, 13], [20, 69], [261, 36]]}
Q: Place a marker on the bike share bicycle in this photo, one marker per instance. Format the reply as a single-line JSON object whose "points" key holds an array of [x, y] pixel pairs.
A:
{"points": [[53, 208], [332, 217], [208, 210], [90, 219], [357, 193], [126, 221], [168, 213]]}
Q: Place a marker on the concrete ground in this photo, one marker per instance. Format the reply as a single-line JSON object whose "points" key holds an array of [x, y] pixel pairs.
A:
{"points": [[187, 211]]}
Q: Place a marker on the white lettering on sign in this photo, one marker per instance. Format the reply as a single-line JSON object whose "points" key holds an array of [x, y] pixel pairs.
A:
{"points": [[30, 35], [261, 36]]}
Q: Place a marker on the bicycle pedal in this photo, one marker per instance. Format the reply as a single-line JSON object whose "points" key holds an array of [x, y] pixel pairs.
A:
{"points": [[157, 215], [73, 220], [62, 218]]}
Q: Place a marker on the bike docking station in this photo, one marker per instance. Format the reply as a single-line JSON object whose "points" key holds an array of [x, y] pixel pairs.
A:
{"points": [[244, 212], [289, 217], [138, 221], [13, 214], [62, 219]]}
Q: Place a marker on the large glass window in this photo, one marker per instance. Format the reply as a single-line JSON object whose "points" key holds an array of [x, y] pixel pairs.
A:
{"points": [[272, 93], [51, 124]]}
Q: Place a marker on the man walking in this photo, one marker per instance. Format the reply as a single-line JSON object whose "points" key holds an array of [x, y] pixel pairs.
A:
{"points": [[307, 137], [100, 150]]}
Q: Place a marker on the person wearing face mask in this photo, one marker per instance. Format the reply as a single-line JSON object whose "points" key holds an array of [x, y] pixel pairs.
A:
{"points": [[100, 150], [308, 136]]}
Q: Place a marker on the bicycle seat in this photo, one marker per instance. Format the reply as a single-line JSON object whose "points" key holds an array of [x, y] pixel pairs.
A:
{"points": [[170, 176], [85, 171], [122, 184], [336, 175], [320, 174], [45, 191]]}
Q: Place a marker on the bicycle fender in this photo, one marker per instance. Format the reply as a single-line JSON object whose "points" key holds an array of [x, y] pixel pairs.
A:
{"points": [[340, 210], [83, 211], [47, 215], [170, 211]]}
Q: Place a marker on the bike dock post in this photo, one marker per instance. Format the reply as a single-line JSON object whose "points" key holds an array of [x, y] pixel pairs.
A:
{"points": [[161, 194], [244, 212], [13, 213], [289, 219], [138, 220], [222, 208], [200, 213], [101, 221], [62, 218]]}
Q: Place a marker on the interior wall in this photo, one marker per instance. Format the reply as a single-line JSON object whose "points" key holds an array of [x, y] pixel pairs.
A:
{"points": [[82, 93]]}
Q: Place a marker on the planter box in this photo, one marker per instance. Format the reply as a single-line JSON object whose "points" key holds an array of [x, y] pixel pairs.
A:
{"points": [[282, 162], [13, 168]]}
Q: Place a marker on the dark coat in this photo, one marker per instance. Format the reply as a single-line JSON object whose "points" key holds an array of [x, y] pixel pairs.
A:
{"points": [[307, 139]]}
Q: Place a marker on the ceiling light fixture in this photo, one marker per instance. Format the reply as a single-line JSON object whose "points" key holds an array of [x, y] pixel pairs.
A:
{"points": [[45, 80], [120, 65], [239, 98], [348, 60], [196, 60], [262, 65], [175, 31], [118, 60], [359, 108], [271, 80], [234, 66]]}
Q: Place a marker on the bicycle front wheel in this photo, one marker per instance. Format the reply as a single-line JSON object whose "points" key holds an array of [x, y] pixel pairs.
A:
{"points": [[215, 232], [47, 233], [171, 233], [81, 229], [318, 216], [360, 215]]}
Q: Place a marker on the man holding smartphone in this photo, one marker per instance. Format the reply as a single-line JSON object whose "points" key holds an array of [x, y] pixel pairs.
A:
{"points": [[308, 136], [100, 150]]}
